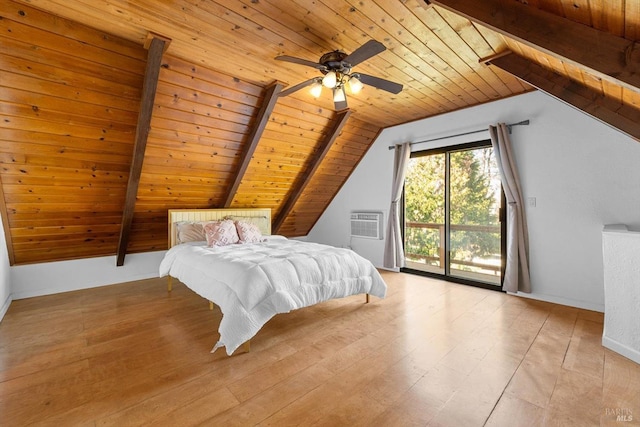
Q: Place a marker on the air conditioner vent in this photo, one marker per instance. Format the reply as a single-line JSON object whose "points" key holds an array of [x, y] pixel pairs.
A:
{"points": [[366, 224]]}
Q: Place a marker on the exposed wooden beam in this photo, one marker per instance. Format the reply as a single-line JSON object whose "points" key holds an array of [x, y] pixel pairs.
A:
{"points": [[605, 55], [152, 72], [152, 36], [624, 118], [5, 225], [262, 118], [338, 123]]}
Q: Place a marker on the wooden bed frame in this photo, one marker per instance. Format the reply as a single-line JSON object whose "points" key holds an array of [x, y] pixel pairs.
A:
{"points": [[259, 216]]}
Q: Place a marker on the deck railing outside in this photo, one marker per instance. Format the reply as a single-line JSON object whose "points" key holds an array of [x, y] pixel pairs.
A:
{"points": [[478, 265]]}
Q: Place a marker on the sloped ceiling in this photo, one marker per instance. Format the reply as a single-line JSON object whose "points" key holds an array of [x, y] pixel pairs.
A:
{"points": [[72, 83]]}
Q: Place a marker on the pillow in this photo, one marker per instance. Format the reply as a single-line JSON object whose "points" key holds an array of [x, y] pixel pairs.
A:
{"points": [[262, 222], [248, 233], [273, 237], [190, 232], [221, 233]]}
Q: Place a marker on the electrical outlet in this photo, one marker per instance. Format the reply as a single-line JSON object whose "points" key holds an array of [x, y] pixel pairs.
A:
{"points": [[531, 201]]}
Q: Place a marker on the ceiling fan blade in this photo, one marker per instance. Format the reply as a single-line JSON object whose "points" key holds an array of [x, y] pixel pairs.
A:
{"points": [[300, 61], [379, 83], [297, 87], [341, 105], [364, 52]]}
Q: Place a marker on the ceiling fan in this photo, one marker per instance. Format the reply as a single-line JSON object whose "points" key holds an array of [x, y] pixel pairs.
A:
{"points": [[336, 67]]}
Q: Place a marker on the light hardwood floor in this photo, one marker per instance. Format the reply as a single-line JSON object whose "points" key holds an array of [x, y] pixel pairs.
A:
{"points": [[431, 353]]}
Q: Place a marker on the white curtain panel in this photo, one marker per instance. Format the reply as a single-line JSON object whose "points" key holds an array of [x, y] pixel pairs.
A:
{"points": [[516, 276], [393, 246]]}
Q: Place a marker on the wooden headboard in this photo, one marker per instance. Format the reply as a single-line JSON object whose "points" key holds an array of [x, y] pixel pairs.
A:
{"points": [[260, 217]]}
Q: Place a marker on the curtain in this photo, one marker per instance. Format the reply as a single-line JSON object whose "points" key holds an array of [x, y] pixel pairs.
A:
{"points": [[516, 276], [393, 247]]}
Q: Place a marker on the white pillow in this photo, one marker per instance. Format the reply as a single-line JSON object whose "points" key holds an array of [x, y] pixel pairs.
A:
{"points": [[190, 232], [273, 237]]}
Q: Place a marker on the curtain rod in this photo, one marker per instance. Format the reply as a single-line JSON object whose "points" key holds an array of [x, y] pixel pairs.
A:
{"points": [[509, 126]]}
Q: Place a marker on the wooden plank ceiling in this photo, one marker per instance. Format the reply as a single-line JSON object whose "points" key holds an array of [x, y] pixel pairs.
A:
{"points": [[71, 89]]}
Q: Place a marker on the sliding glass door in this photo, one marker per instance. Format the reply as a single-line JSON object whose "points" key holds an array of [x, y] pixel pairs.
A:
{"points": [[424, 213], [452, 227]]}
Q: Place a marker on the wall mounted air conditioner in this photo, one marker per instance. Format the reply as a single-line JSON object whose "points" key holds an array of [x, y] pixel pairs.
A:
{"points": [[367, 225]]}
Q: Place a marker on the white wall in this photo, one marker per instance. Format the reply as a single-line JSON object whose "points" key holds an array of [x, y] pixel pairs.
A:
{"points": [[63, 276], [582, 173], [621, 251], [5, 283]]}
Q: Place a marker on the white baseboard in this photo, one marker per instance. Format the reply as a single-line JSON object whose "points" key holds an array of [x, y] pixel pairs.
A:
{"points": [[562, 301], [394, 269], [5, 307], [64, 276], [628, 352]]}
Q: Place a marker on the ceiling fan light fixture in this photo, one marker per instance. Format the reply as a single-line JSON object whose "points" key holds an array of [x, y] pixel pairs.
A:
{"points": [[336, 67], [355, 84], [316, 88], [330, 80]]}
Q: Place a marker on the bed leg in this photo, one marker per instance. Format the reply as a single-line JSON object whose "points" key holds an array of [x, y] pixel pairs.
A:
{"points": [[246, 347], [169, 284], [210, 305], [366, 299]]}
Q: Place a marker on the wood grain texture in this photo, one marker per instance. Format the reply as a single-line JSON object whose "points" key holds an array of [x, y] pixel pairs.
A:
{"points": [[72, 79], [134, 354], [150, 83], [69, 105], [588, 99], [315, 161], [254, 136], [564, 39]]}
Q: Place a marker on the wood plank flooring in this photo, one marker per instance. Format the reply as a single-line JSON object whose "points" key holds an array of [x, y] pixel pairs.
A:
{"points": [[431, 353]]}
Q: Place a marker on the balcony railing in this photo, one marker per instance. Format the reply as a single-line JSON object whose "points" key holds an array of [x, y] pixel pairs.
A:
{"points": [[439, 260]]}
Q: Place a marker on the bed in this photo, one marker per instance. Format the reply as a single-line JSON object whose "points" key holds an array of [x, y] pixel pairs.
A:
{"points": [[262, 275]]}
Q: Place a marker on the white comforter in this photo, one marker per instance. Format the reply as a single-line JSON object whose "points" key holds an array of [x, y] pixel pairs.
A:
{"points": [[253, 282]]}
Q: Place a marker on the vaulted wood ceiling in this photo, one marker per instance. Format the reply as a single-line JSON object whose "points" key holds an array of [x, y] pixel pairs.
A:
{"points": [[72, 84]]}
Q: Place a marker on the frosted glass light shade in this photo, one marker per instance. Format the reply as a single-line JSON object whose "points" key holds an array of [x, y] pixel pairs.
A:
{"points": [[330, 80], [355, 84], [316, 89], [338, 95]]}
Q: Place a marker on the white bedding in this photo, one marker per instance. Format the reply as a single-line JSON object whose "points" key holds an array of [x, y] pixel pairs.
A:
{"points": [[253, 282]]}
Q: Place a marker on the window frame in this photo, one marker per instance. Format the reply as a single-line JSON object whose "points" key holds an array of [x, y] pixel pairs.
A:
{"points": [[484, 143]]}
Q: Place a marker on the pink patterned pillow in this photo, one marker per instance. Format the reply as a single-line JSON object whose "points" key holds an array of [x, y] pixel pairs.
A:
{"points": [[248, 233], [221, 233]]}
